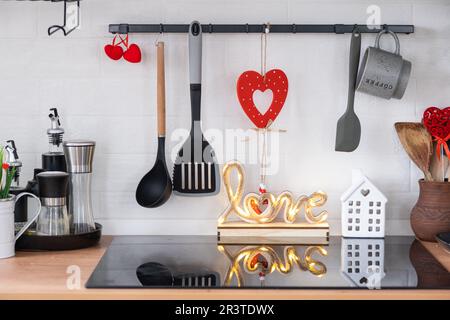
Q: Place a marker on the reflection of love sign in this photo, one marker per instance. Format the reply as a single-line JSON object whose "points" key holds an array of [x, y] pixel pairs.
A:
{"points": [[437, 122], [250, 82]]}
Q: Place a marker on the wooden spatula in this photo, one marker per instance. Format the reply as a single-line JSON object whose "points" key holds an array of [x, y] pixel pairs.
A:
{"points": [[439, 166], [418, 144]]}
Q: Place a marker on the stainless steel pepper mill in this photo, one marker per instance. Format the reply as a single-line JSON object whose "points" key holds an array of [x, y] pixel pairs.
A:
{"points": [[79, 157]]}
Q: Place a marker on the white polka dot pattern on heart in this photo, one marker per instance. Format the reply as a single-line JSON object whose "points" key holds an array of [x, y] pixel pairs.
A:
{"points": [[251, 81]]}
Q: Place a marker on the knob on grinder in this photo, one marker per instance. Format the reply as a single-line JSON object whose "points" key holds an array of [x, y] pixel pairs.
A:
{"points": [[53, 184]]}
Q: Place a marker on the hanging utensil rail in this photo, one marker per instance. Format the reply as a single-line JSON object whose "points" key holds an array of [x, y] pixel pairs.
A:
{"points": [[125, 28]]}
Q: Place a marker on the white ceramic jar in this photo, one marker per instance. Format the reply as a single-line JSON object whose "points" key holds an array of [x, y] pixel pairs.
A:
{"points": [[7, 237]]}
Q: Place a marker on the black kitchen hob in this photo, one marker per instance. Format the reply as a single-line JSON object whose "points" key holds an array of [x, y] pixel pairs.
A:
{"points": [[198, 261]]}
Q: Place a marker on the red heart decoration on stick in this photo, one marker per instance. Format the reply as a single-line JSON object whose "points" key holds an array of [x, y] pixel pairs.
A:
{"points": [[114, 52], [251, 81], [437, 122], [133, 54]]}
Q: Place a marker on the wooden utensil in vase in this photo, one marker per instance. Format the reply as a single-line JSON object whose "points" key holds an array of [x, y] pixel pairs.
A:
{"points": [[418, 144], [439, 167]]}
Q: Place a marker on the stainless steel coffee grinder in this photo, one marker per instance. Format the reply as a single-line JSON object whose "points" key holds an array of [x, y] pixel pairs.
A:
{"points": [[79, 158], [53, 219]]}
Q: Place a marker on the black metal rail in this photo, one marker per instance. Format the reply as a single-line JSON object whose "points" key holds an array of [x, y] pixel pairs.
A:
{"points": [[258, 28]]}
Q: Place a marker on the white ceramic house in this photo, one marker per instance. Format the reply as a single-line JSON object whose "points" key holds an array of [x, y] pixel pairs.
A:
{"points": [[362, 262], [363, 209]]}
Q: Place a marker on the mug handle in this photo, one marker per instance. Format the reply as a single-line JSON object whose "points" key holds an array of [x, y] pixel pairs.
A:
{"points": [[394, 35], [30, 222]]}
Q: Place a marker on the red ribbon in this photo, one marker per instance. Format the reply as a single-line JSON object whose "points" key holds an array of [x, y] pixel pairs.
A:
{"points": [[123, 41], [442, 143]]}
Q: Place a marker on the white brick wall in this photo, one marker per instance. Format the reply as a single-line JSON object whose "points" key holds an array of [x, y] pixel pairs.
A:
{"points": [[114, 103]]}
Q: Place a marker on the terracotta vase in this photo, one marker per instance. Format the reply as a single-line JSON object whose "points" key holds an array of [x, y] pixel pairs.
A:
{"points": [[430, 273], [431, 214]]}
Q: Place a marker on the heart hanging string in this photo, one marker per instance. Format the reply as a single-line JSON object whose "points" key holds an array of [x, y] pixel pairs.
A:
{"points": [[263, 162], [248, 83], [251, 81], [264, 51]]}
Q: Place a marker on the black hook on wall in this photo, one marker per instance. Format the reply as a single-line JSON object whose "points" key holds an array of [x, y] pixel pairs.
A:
{"points": [[68, 14]]}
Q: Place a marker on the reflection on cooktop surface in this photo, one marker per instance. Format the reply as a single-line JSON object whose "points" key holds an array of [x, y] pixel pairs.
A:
{"points": [[193, 262]]}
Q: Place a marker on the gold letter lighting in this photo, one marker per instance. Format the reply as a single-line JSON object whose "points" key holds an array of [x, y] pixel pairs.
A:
{"points": [[265, 208]]}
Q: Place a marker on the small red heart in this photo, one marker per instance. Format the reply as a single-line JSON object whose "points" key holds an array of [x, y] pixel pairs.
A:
{"points": [[114, 52], [250, 81], [437, 122], [258, 258], [133, 54]]}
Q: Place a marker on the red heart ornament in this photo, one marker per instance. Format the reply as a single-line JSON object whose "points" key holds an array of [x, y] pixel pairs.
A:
{"points": [[251, 81], [114, 52], [437, 122], [133, 54]]}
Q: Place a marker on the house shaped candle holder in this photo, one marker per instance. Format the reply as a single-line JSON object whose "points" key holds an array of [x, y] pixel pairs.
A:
{"points": [[363, 209]]}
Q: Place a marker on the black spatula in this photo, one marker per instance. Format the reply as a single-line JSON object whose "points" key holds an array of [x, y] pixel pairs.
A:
{"points": [[348, 133], [196, 172]]}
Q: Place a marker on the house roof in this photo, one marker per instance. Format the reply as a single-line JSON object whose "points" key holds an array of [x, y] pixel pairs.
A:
{"points": [[357, 184]]}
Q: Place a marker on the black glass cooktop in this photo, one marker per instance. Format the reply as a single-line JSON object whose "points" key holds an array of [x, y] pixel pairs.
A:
{"points": [[193, 262]]}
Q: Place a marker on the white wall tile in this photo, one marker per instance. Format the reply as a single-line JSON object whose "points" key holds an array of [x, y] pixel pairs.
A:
{"points": [[114, 103], [431, 20], [18, 20]]}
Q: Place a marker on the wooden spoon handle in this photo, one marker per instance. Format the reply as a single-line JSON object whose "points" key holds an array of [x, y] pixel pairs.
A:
{"points": [[161, 91], [428, 176]]}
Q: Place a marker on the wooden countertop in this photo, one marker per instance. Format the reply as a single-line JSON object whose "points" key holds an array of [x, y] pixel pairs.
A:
{"points": [[44, 275]]}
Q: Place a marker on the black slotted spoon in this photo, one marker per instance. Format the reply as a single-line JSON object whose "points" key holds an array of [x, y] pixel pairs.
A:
{"points": [[196, 172]]}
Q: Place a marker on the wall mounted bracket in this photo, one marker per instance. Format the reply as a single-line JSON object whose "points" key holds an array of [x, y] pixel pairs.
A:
{"points": [[71, 14]]}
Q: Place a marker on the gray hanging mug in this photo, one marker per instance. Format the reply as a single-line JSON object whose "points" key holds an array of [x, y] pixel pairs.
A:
{"points": [[384, 74]]}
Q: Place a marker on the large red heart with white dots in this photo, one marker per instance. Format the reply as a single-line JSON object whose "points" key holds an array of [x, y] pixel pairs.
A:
{"points": [[251, 81]]}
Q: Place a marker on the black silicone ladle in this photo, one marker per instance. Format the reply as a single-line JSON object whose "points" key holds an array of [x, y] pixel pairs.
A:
{"points": [[155, 187]]}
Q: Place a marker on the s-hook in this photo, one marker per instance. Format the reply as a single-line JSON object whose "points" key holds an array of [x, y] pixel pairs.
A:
{"points": [[72, 15]]}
